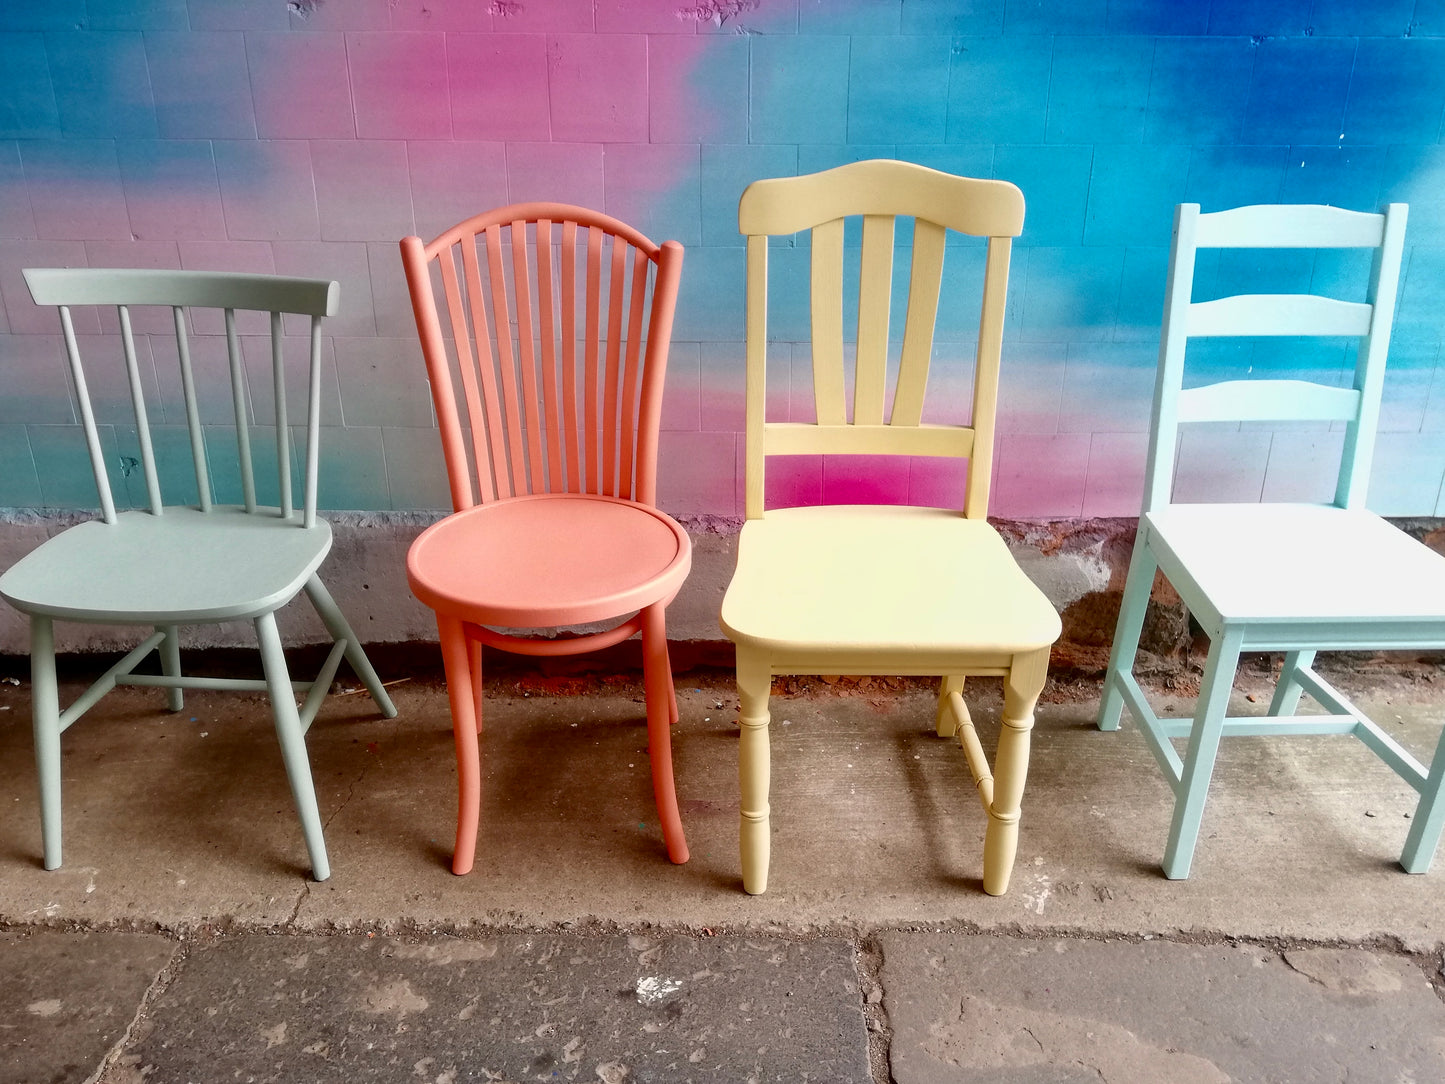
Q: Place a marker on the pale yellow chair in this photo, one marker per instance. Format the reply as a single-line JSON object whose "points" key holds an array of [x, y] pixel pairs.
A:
{"points": [[862, 589]]}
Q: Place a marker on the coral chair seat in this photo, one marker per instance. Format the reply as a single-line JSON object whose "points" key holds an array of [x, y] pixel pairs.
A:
{"points": [[169, 565], [547, 384]]}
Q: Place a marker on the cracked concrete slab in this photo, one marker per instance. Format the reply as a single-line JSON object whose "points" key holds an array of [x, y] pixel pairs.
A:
{"points": [[68, 998], [1009, 1011], [505, 1007]]}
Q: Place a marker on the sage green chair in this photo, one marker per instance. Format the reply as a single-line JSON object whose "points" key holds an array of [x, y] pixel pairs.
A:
{"points": [[1294, 578], [169, 565]]}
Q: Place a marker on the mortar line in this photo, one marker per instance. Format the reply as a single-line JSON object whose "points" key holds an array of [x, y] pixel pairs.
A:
{"points": [[162, 982]]}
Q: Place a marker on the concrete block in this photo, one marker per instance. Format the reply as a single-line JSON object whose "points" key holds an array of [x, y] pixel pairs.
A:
{"points": [[19, 484], [710, 298], [1406, 473], [1055, 184], [1040, 477], [383, 382], [1141, 292], [1098, 88], [452, 16], [558, 172], [201, 83], [1338, 175], [399, 85], [29, 108], [102, 85], [1146, 17], [881, 18], [998, 89], [512, 1006], [34, 386], [129, 15], [16, 218], [695, 473], [499, 86], [1054, 16], [1198, 87], [726, 171], [1031, 382], [1218, 462], [171, 189], [655, 188], [75, 189], [145, 319], [643, 17], [1270, 18], [968, 1008], [952, 17], [1070, 294], [1396, 91], [300, 85], [1422, 296], [267, 190], [1223, 177], [682, 393], [790, 69], [353, 470], [361, 189], [1298, 91], [237, 15], [61, 15], [597, 87], [390, 299], [69, 998], [898, 87], [354, 15], [415, 470], [1114, 484], [1108, 387], [451, 182], [260, 383], [63, 465], [1132, 194], [697, 88], [555, 17], [346, 262]]}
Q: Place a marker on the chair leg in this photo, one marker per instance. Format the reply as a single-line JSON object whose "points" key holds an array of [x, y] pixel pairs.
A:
{"points": [[672, 713], [1288, 690], [1135, 604], [755, 680], [45, 717], [340, 629], [1192, 788], [1022, 686], [1429, 819], [474, 661], [293, 742], [944, 724], [466, 722], [170, 651], [657, 682]]}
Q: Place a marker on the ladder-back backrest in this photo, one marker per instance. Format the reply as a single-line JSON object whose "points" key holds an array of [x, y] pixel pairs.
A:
{"points": [[880, 192], [547, 373], [1296, 315], [183, 292]]}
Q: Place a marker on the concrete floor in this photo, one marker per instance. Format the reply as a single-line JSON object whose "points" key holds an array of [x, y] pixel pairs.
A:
{"points": [[182, 847]]}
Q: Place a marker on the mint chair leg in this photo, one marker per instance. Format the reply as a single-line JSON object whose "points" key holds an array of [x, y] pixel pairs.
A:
{"points": [[45, 715], [340, 629], [1288, 690], [1192, 788], [170, 650], [1135, 604], [1429, 818], [293, 742]]}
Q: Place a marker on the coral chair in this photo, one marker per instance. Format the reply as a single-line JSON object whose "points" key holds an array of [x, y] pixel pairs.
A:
{"points": [[169, 565], [555, 341], [858, 589], [1297, 578]]}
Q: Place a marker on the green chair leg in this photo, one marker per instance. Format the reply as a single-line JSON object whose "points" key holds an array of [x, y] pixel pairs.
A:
{"points": [[340, 629], [1135, 604], [1193, 787], [293, 742], [170, 651], [1288, 691], [1429, 819], [45, 715]]}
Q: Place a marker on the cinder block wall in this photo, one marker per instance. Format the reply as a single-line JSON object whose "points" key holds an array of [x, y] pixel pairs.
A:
{"points": [[307, 136]]}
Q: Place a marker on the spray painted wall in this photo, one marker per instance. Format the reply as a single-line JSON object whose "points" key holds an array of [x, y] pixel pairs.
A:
{"points": [[307, 137]]}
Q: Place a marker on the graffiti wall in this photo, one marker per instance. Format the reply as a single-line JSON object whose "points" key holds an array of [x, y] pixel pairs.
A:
{"points": [[307, 137]]}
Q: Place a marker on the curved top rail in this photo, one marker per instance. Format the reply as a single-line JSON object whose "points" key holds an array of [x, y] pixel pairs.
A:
{"points": [[541, 211], [208, 289], [882, 186]]}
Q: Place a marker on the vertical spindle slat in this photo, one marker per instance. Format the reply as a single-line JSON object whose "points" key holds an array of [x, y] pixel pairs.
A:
{"points": [[569, 355], [594, 332], [283, 434], [527, 357], [87, 417], [616, 284], [631, 373], [514, 464], [875, 291], [193, 414], [238, 406], [462, 338], [313, 427], [551, 408], [138, 405], [925, 277], [827, 306]]}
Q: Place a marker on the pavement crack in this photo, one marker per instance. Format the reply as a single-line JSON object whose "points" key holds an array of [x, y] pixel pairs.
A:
{"points": [[350, 793], [300, 901], [1284, 958], [133, 1030], [1035, 1038]]}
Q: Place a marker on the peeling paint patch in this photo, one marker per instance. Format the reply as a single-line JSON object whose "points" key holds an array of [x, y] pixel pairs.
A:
{"points": [[504, 8], [717, 12]]}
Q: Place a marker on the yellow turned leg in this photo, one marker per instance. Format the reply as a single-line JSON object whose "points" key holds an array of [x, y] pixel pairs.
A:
{"points": [[945, 724], [755, 679], [1022, 687]]}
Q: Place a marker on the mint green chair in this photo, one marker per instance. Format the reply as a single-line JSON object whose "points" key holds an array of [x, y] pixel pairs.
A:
{"points": [[171, 565], [1295, 578]]}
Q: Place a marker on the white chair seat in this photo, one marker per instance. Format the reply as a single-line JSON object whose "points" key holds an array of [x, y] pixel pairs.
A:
{"points": [[179, 567], [879, 581], [1297, 564]]}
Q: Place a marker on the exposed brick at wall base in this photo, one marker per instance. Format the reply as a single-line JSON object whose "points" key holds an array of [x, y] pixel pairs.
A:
{"points": [[1080, 564]]}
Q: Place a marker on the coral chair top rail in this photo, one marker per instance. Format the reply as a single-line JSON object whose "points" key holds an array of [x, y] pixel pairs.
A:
{"points": [[182, 291], [524, 289], [879, 191]]}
